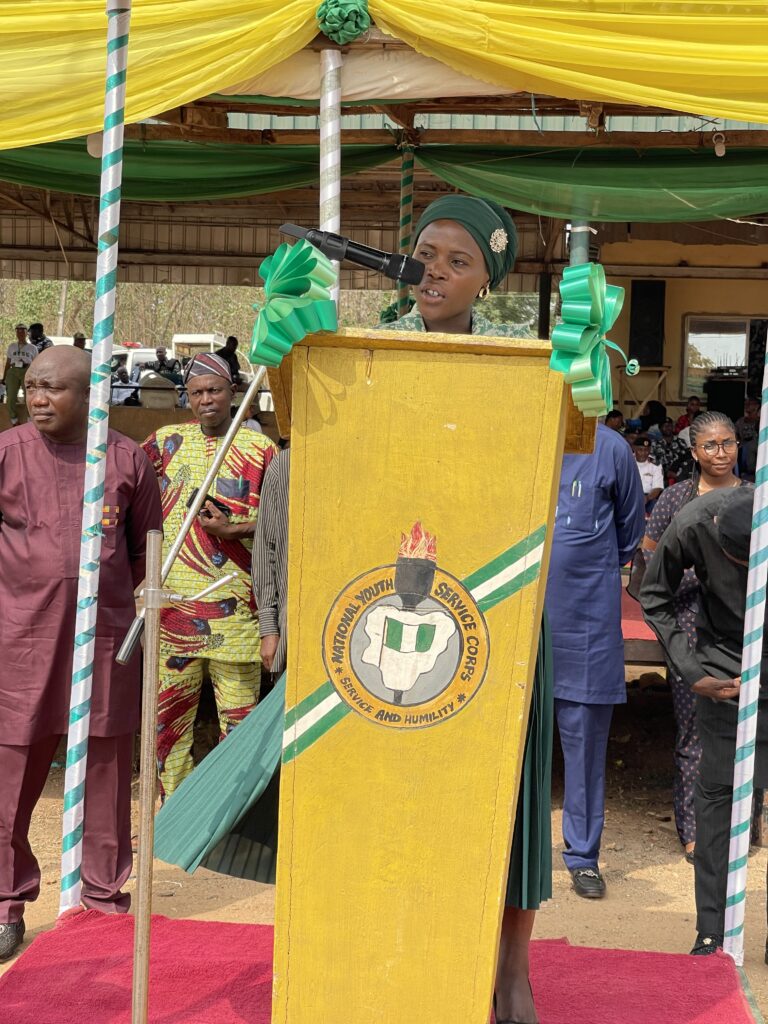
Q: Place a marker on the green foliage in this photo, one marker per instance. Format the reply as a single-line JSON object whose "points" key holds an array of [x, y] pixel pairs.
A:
{"points": [[145, 313], [150, 314], [30, 301], [513, 308], [360, 308]]}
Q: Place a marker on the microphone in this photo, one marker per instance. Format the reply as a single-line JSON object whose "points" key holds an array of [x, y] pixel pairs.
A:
{"points": [[337, 247]]}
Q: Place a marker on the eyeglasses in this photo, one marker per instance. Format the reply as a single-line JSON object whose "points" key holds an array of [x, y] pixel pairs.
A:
{"points": [[713, 447]]}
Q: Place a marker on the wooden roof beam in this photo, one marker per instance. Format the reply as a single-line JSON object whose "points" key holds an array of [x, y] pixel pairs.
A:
{"points": [[452, 136], [503, 103]]}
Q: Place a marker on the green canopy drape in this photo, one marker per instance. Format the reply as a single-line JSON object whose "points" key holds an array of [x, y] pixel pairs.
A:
{"points": [[594, 184], [609, 184], [170, 171]]}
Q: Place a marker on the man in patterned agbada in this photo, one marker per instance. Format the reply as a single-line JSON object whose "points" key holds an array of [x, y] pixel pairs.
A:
{"points": [[221, 630]]}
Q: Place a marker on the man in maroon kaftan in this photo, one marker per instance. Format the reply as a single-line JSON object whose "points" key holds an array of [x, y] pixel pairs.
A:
{"points": [[41, 494]]}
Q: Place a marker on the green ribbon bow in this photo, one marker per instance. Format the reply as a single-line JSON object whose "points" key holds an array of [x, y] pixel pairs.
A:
{"points": [[343, 20], [297, 280], [590, 308]]}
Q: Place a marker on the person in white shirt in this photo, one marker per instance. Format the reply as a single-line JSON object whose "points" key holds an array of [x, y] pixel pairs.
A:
{"points": [[18, 358], [122, 389], [651, 475]]}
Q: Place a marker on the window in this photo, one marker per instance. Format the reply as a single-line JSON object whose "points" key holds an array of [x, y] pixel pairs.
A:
{"points": [[712, 344]]}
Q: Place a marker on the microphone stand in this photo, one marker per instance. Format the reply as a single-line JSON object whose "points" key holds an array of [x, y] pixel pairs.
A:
{"points": [[137, 627]]}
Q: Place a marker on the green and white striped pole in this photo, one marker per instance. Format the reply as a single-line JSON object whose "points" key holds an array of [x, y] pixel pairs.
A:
{"points": [[330, 147], [746, 731], [406, 221], [118, 19]]}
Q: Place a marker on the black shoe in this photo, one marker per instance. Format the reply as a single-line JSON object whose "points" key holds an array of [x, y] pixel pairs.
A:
{"points": [[588, 882], [11, 937], [707, 944]]}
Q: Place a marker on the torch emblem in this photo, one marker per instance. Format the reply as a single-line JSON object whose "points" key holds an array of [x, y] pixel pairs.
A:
{"points": [[405, 644]]}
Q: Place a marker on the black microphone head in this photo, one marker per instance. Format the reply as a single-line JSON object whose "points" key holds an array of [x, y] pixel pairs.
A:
{"points": [[405, 269], [293, 230]]}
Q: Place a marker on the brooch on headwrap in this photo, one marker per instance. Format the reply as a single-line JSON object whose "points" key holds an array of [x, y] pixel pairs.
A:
{"points": [[499, 240]]}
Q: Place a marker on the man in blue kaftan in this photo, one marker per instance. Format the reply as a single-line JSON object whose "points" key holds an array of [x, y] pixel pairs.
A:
{"points": [[599, 523]]}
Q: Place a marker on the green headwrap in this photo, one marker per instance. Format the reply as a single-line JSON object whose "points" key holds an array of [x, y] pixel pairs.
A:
{"points": [[489, 224]]}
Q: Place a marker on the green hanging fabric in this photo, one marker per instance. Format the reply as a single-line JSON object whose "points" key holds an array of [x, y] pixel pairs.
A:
{"points": [[608, 184], [170, 171], [595, 184]]}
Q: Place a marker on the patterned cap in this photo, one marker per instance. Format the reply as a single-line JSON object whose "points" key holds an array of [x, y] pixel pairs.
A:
{"points": [[208, 363]]}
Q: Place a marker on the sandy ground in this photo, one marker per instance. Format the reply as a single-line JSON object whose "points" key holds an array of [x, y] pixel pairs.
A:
{"points": [[649, 905]]}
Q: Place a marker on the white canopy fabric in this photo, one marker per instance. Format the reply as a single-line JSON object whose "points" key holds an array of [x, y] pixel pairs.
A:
{"points": [[372, 75]]}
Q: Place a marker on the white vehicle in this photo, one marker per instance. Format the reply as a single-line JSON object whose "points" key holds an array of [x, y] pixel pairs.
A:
{"points": [[130, 358], [184, 346]]}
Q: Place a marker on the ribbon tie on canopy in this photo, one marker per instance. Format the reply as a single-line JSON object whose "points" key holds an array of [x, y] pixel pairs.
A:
{"points": [[590, 308], [297, 281], [343, 21]]}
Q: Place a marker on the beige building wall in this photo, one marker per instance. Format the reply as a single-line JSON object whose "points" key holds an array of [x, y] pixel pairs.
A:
{"points": [[712, 294]]}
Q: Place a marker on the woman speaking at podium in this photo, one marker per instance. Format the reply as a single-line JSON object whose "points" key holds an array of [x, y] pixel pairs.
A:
{"points": [[468, 247]]}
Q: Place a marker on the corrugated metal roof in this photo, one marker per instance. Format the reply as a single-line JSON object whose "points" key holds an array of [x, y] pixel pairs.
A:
{"points": [[527, 123]]}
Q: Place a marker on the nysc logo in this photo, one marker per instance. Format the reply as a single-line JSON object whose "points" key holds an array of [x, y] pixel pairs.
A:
{"points": [[405, 644]]}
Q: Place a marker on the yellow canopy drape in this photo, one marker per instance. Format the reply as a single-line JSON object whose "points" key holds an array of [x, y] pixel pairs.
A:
{"points": [[702, 56], [53, 57]]}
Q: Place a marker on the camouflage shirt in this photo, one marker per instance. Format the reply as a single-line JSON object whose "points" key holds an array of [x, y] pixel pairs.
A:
{"points": [[414, 321]]}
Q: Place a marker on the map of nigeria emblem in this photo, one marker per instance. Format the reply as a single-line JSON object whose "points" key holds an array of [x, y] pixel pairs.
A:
{"points": [[405, 645]]}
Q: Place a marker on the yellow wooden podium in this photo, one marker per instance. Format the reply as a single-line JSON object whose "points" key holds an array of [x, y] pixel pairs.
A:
{"points": [[424, 474]]}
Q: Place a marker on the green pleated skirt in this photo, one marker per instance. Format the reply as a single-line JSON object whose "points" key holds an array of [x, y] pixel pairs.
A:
{"points": [[224, 815], [529, 882]]}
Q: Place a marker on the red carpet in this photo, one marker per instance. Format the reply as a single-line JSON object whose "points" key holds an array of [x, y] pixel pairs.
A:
{"points": [[204, 972], [580, 985], [633, 625]]}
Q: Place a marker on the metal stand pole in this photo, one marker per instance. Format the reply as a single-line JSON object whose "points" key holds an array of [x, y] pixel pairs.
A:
{"points": [[153, 599], [545, 302], [330, 147], [579, 242]]}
